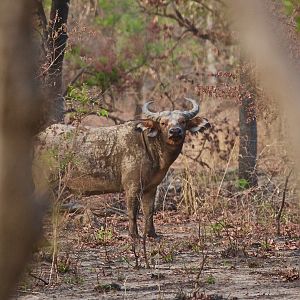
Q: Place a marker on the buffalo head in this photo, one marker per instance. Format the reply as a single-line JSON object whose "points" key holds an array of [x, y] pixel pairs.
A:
{"points": [[172, 125]]}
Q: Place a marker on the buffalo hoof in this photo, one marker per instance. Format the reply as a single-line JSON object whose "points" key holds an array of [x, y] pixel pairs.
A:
{"points": [[154, 236]]}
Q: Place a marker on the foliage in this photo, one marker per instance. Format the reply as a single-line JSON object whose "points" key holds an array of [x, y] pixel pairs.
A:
{"points": [[74, 55], [116, 46], [210, 279], [123, 17], [47, 5], [122, 45], [104, 235], [79, 94], [243, 183], [63, 265], [125, 44], [292, 8], [57, 160], [107, 287], [217, 227], [79, 99], [104, 79]]}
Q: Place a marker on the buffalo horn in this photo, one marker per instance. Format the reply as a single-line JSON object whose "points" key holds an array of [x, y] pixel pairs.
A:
{"points": [[151, 115], [189, 114]]}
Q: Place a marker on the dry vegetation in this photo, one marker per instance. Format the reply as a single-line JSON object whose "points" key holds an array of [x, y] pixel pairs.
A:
{"points": [[220, 240]]}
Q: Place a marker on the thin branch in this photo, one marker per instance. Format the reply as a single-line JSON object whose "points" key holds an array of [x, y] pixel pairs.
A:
{"points": [[278, 216], [138, 66], [204, 6], [39, 278], [145, 250], [136, 255], [115, 119], [226, 169], [201, 163], [182, 21]]}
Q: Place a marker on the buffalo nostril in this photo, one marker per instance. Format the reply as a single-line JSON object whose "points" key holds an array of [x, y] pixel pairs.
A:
{"points": [[175, 131]]}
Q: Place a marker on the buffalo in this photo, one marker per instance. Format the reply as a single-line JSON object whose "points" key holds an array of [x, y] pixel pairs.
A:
{"points": [[132, 157]]}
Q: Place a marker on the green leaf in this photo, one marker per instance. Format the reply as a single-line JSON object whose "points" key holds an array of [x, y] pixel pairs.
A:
{"points": [[79, 94], [289, 6], [102, 112], [210, 279], [297, 19], [243, 183]]}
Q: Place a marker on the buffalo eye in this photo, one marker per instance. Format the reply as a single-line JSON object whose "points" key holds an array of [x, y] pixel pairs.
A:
{"points": [[163, 123], [182, 122]]}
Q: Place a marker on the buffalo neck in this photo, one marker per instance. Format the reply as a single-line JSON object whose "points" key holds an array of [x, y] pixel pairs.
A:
{"points": [[162, 154]]}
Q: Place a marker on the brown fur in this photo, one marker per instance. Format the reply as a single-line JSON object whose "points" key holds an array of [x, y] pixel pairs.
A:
{"points": [[133, 157]]}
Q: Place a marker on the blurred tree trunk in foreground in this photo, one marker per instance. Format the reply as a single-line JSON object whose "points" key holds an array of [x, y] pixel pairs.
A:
{"points": [[269, 40], [20, 217], [248, 128]]}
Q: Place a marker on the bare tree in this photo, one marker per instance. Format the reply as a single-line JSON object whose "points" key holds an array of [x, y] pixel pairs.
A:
{"points": [[57, 40], [54, 40], [248, 126], [20, 215]]}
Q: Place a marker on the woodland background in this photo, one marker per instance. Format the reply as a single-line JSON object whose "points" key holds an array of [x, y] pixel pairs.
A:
{"points": [[228, 208]]}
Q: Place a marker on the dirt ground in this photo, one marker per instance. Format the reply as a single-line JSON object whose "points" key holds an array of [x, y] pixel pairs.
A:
{"points": [[97, 260]]}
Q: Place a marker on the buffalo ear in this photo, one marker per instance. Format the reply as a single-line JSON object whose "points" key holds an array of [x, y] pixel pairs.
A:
{"points": [[149, 126], [198, 124]]}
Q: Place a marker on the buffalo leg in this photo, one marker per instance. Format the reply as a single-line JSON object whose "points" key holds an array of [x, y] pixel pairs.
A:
{"points": [[132, 209], [148, 210]]}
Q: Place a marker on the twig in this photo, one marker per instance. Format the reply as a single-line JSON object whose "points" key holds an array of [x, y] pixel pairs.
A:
{"points": [[225, 172], [39, 278], [202, 238], [105, 242], [204, 258], [180, 19], [136, 256], [115, 119], [201, 163], [278, 216], [200, 152], [145, 250], [116, 210], [110, 209]]}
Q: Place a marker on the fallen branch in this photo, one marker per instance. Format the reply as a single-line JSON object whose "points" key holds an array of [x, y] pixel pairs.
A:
{"points": [[39, 278]]}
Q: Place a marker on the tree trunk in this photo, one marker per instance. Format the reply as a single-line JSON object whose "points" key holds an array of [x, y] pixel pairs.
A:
{"points": [[20, 217], [248, 128], [210, 56], [57, 39], [269, 38]]}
